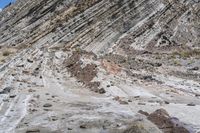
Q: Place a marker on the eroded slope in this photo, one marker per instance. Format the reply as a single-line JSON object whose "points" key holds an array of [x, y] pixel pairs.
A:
{"points": [[100, 66]]}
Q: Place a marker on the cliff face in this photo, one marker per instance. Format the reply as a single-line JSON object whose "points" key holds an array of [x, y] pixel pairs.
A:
{"points": [[88, 23], [91, 65]]}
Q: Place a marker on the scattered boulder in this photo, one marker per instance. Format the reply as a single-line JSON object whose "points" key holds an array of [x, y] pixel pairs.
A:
{"points": [[94, 86], [143, 112], [102, 91], [197, 95], [30, 61], [108, 86], [83, 126], [136, 97], [31, 90], [123, 102], [141, 103], [166, 102], [166, 123], [12, 96], [36, 69], [129, 100], [47, 105], [194, 69], [116, 98], [6, 90], [142, 126], [157, 64], [148, 78], [190, 104], [20, 65], [33, 131]]}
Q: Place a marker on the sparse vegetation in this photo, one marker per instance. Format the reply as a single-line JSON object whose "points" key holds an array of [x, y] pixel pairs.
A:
{"points": [[158, 57], [190, 62], [22, 46], [176, 62], [187, 53], [78, 49], [173, 56], [7, 53]]}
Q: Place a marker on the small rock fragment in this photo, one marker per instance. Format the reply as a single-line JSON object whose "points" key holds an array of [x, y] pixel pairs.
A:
{"points": [[194, 69], [148, 78], [47, 109], [166, 102], [47, 105], [20, 66], [31, 90], [12, 96], [123, 102], [102, 91], [33, 131], [191, 104], [129, 100], [36, 69], [6, 90], [137, 97], [108, 86], [30, 61], [82, 126], [143, 112], [141, 103], [197, 95], [116, 98]]}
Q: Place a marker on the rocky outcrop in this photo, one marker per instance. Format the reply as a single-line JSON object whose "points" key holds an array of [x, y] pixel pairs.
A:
{"points": [[166, 123]]}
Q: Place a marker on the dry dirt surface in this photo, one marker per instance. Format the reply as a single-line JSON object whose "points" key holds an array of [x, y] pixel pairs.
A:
{"points": [[100, 66]]}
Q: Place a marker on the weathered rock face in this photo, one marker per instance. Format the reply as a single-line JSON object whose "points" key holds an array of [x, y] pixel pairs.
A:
{"points": [[89, 66], [95, 25]]}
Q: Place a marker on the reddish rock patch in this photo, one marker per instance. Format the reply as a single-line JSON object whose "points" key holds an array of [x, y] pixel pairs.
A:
{"points": [[111, 67], [83, 74]]}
